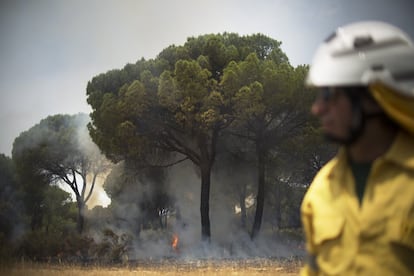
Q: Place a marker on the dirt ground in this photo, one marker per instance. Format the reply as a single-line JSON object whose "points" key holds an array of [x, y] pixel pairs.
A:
{"points": [[198, 267]]}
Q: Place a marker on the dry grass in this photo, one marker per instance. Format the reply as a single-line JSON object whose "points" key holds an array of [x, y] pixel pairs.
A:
{"points": [[208, 268]]}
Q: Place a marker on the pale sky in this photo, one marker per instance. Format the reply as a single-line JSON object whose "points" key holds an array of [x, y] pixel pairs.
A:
{"points": [[50, 49]]}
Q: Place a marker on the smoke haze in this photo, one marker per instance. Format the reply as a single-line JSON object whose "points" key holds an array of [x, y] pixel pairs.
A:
{"points": [[228, 240]]}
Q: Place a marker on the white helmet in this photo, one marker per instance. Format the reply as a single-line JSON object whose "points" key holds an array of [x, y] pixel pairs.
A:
{"points": [[364, 53]]}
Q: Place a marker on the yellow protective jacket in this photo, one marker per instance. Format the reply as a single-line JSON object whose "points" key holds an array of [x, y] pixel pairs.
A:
{"points": [[374, 238]]}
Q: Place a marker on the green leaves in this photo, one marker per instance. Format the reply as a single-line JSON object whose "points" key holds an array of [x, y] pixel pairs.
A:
{"points": [[249, 103], [182, 101], [189, 90], [58, 150]]}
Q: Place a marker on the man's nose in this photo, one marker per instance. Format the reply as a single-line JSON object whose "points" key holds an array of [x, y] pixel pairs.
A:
{"points": [[318, 107]]}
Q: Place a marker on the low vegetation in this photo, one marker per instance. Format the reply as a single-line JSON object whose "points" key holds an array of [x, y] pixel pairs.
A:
{"points": [[167, 267]]}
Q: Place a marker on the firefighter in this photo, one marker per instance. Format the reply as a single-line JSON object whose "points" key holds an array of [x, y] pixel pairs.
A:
{"points": [[358, 213]]}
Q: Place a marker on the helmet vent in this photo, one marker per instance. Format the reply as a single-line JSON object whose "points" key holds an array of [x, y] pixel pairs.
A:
{"points": [[377, 67], [405, 76], [363, 41]]}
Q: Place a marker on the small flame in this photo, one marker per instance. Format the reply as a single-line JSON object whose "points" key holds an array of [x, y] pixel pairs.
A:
{"points": [[174, 242]]}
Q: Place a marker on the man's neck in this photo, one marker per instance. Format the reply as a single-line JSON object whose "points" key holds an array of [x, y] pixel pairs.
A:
{"points": [[373, 143]]}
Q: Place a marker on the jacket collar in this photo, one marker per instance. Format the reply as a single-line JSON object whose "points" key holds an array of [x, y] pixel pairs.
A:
{"points": [[401, 151]]}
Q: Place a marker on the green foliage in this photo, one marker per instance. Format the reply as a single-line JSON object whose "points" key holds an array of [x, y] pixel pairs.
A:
{"points": [[12, 213], [58, 209], [11, 205], [182, 101], [157, 101], [58, 150], [59, 221]]}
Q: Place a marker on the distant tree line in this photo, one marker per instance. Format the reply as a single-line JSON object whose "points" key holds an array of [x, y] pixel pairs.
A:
{"points": [[229, 105]]}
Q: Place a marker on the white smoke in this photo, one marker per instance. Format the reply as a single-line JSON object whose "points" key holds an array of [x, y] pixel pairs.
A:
{"points": [[228, 241]]}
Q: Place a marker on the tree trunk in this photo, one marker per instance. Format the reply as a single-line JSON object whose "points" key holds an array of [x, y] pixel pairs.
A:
{"points": [[204, 203], [37, 218], [81, 217], [278, 198], [260, 195], [242, 201]]}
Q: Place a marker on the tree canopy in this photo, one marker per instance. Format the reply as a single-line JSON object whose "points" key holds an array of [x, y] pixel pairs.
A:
{"points": [[177, 106], [59, 150]]}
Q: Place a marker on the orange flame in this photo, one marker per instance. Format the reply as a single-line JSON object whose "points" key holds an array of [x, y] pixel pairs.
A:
{"points": [[174, 242]]}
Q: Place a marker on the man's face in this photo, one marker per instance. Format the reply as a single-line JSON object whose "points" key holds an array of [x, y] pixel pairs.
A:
{"points": [[334, 109]]}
